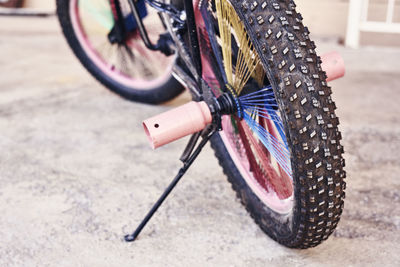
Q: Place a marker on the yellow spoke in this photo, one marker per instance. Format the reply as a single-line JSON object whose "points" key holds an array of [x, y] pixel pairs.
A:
{"points": [[225, 34], [247, 63]]}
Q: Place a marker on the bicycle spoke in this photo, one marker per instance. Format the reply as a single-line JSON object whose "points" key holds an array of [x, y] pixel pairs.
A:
{"points": [[247, 61]]}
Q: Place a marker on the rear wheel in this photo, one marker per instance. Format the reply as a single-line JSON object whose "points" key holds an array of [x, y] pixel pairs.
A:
{"points": [[128, 68], [281, 151]]}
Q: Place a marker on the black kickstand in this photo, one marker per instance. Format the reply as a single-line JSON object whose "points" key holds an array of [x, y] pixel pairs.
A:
{"points": [[187, 158]]}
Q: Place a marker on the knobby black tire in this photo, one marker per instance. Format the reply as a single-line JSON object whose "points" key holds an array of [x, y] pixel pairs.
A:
{"points": [[293, 68], [167, 91]]}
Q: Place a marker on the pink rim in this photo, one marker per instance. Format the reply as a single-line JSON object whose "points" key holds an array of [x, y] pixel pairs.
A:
{"points": [[103, 65], [266, 193], [268, 196]]}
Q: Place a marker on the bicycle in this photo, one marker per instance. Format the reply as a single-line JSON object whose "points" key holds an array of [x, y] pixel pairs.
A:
{"points": [[259, 95], [116, 56]]}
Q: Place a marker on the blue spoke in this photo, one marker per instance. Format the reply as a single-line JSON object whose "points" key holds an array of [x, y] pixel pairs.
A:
{"points": [[271, 115], [265, 115], [261, 104], [265, 133], [263, 109], [278, 151], [258, 92], [266, 94], [284, 154]]}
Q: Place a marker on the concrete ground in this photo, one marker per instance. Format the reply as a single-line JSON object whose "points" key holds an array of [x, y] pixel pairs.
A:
{"points": [[76, 172]]}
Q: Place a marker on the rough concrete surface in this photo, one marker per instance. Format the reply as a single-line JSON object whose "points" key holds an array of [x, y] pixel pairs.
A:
{"points": [[76, 172]]}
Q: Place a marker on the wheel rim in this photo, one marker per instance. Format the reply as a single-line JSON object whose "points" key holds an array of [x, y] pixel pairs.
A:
{"points": [[131, 65], [256, 140]]}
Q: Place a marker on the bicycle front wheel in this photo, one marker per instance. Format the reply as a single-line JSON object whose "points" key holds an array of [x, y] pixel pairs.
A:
{"points": [[281, 151], [127, 68]]}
